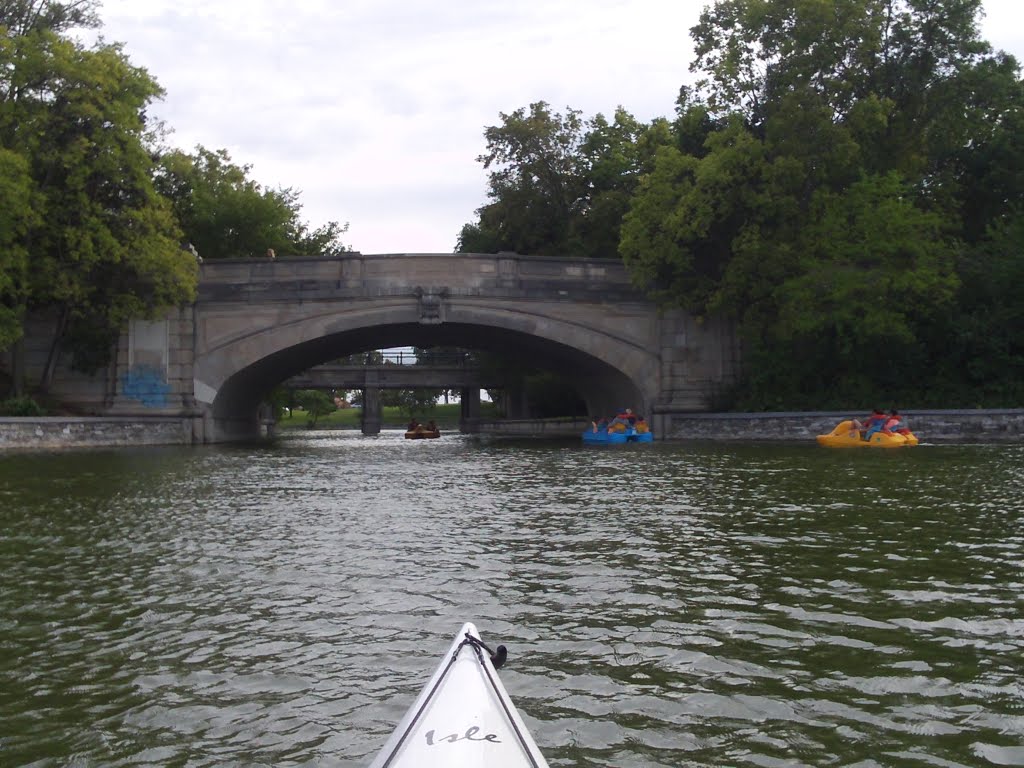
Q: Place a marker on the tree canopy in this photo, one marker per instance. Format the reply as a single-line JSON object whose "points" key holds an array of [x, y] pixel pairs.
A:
{"points": [[96, 218], [559, 185], [225, 214], [842, 181], [89, 235]]}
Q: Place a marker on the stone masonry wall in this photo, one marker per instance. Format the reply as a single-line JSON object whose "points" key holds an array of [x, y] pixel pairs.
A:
{"points": [[992, 425], [56, 432], [930, 426]]}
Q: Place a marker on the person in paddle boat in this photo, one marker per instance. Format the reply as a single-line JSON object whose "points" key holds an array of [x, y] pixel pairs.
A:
{"points": [[858, 428], [413, 425], [897, 423], [875, 423], [431, 426], [641, 425], [621, 421]]}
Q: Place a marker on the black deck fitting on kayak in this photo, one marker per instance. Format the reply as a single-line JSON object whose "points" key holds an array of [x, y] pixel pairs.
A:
{"points": [[498, 658]]}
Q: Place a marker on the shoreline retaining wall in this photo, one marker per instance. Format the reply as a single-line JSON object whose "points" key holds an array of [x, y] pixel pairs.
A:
{"points": [[59, 432], [933, 426], [948, 426]]}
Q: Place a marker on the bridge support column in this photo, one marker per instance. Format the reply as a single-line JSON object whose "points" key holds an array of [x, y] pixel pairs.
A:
{"points": [[469, 418], [202, 426], [517, 405], [372, 413]]}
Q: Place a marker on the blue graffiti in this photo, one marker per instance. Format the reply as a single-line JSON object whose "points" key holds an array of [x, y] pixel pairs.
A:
{"points": [[146, 384]]}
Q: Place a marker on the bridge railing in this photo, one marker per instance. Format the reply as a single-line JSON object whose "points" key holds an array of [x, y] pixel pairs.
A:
{"points": [[409, 357]]}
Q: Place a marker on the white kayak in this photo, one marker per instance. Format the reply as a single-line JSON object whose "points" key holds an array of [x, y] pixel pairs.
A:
{"points": [[463, 717]]}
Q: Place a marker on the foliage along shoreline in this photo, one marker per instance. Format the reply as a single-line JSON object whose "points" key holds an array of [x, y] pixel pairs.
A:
{"points": [[841, 181]]}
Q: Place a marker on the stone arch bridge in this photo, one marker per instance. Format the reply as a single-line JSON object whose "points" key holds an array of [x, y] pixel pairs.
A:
{"points": [[259, 322]]}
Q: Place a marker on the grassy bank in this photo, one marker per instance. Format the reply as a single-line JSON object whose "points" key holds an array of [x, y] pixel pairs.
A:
{"points": [[446, 416]]}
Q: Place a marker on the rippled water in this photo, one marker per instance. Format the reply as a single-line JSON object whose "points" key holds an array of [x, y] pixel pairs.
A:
{"points": [[664, 605]]}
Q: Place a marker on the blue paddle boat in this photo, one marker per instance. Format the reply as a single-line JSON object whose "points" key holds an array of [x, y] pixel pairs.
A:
{"points": [[604, 437]]}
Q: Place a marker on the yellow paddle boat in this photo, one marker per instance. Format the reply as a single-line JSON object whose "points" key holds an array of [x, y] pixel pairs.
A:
{"points": [[845, 436]]}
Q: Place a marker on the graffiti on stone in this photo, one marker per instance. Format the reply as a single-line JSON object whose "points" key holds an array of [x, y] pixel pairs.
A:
{"points": [[147, 384]]}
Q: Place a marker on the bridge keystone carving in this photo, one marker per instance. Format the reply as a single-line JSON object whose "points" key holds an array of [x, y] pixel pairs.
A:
{"points": [[431, 305]]}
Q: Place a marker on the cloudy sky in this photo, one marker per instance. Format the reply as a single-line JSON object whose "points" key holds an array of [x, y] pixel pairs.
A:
{"points": [[375, 109]]}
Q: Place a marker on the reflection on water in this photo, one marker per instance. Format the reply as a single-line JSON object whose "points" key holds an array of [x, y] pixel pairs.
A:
{"points": [[664, 605]]}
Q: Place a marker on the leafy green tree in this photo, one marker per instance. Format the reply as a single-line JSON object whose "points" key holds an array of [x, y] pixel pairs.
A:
{"points": [[225, 214], [752, 51], [22, 17], [909, 86], [17, 217], [852, 321], [315, 403], [979, 146], [825, 176], [104, 246], [614, 155], [560, 185], [534, 183], [415, 402], [983, 350]]}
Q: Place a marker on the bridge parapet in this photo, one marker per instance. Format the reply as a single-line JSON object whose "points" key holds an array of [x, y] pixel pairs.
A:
{"points": [[460, 274]]}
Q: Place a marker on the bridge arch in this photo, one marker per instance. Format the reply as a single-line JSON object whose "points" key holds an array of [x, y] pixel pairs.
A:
{"points": [[607, 367], [258, 322]]}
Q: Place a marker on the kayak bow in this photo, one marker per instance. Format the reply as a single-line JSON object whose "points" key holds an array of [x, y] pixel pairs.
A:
{"points": [[463, 717]]}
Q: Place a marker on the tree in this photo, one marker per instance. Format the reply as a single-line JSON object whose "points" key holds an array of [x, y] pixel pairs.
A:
{"points": [[910, 83], [752, 51], [983, 360], [873, 274], [315, 403], [103, 245], [613, 157], [23, 17], [225, 214], [534, 182], [560, 185], [17, 217], [415, 402], [19, 211], [825, 176], [689, 214]]}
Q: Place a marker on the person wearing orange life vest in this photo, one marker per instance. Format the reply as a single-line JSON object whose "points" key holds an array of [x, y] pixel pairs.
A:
{"points": [[621, 421]]}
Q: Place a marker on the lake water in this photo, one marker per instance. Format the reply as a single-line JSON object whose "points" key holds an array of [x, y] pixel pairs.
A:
{"points": [[663, 605]]}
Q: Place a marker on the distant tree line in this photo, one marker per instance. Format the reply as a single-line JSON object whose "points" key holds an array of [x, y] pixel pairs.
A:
{"points": [[844, 182], [99, 220]]}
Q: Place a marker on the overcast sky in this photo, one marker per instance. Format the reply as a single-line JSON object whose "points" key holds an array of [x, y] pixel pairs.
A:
{"points": [[375, 109]]}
